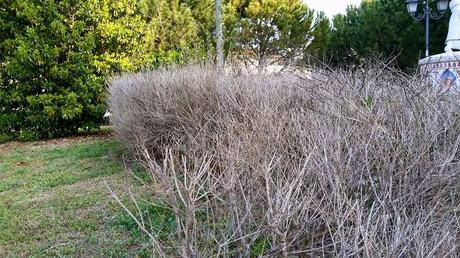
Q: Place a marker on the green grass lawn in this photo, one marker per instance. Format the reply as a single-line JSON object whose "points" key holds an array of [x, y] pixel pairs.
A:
{"points": [[54, 202], [3, 138]]}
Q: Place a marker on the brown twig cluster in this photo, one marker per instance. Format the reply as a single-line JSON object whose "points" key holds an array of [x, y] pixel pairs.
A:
{"points": [[336, 163]]}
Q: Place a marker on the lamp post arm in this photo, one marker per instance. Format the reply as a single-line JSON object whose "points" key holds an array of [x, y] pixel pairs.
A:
{"points": [[418, 16], [437, 15]]}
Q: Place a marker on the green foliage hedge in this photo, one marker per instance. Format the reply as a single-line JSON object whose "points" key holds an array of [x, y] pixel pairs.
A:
{"points": [[55, 56]]}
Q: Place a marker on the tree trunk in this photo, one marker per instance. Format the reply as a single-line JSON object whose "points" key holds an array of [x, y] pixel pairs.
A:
{"points": [[219, 35]]}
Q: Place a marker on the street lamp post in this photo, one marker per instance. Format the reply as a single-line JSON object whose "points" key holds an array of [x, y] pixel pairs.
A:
{"points": [[427, 14]]}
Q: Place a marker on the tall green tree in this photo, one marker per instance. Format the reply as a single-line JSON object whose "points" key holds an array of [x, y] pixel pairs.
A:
{"points": [[270, 31], [382, 28], [316, 51], [177, 32]]}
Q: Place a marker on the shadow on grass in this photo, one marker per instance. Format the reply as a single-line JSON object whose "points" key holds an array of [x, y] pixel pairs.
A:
{"points": [[102, 130], [4, 138]]}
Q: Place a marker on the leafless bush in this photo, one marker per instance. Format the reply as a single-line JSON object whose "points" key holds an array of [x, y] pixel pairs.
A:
{"points": [[336, 163]]}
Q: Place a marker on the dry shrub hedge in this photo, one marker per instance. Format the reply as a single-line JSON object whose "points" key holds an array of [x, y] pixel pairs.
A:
{"points": [[336, 163]]}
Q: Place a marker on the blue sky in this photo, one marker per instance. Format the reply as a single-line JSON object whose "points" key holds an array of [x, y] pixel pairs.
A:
{"points": [[331, 7]]}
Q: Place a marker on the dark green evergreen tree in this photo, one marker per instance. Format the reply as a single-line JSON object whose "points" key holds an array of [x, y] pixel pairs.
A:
{"points": [[382, 28]]}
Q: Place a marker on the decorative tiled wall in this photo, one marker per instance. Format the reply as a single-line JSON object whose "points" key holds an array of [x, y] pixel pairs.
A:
{"points": [[443, 71]]}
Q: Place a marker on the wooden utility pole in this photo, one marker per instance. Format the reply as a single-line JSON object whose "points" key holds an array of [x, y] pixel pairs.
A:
{"points": [[219, 35]]}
